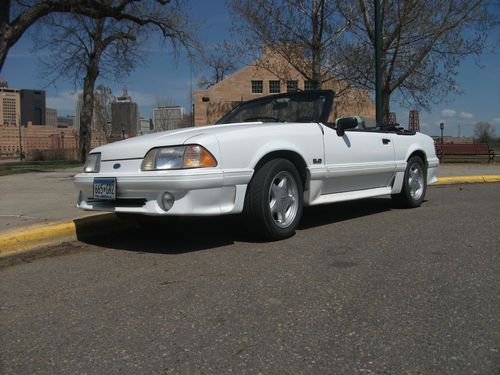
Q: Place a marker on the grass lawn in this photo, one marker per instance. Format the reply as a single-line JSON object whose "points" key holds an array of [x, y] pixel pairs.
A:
{"points": [[35, 166]]}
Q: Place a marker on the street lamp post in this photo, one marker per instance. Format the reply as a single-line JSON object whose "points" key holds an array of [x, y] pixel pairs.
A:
{"points": [[123, 133], [441, 126], [62, 140], [21, 154]]}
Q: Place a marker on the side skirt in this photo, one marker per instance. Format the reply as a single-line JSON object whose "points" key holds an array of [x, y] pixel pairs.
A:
{"points": [[351, 195]]}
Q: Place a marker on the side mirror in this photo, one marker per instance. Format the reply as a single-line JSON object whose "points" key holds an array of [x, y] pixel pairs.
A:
{"points": [[343, 123]]}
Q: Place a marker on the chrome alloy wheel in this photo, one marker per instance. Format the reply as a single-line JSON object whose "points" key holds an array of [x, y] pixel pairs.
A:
{"points": [[283, 199], [416, 181]]}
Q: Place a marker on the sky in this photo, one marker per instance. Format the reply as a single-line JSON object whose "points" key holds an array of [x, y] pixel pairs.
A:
{"points": [[165, 77]]}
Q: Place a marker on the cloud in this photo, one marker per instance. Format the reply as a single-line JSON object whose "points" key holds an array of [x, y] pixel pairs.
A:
{"points": [[447, 112], [466, 115], [142, 98], [496, 120]]}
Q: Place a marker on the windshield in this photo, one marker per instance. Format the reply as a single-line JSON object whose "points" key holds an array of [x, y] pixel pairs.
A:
{"points": [[307, 106]]}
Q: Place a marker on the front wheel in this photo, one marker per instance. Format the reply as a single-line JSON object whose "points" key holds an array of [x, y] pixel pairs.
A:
{"points": [[274, 200], [414, 184]]}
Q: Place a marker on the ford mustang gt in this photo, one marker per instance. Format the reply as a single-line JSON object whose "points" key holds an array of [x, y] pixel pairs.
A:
{"points": [[267, 159]]}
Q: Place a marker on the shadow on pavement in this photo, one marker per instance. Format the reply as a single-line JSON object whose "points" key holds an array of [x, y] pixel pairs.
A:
{"points": [[316, 216], [180, 235]]}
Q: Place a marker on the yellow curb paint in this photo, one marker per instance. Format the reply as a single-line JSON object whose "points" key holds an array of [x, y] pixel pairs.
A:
{"points": [[467, 179], [492, 178], [35, 236]]}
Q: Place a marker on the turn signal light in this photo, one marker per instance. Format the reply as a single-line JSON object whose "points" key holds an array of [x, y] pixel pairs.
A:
{"points": [[196, 156]]}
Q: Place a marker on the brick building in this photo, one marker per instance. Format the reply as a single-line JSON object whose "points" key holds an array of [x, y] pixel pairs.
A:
{"points": [[253, 81], [40, 137]]}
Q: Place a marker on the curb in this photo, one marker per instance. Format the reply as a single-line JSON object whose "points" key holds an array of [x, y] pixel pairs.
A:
{"points": [[36, 236], [467, 179]]}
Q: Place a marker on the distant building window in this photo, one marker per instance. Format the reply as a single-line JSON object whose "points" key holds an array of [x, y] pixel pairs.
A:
{"points": [[257, 87], [274, 87], [292, 86], [308, 85]]}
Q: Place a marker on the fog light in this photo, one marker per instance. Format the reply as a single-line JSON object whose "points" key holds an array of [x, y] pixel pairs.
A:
{"points": [[167, 201]]}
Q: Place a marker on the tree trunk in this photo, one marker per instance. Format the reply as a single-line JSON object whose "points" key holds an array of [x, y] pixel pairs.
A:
{"points": [[386, 105], [4, 49], [87, 112]]}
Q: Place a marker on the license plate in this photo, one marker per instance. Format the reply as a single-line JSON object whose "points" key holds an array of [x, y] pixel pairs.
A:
{"points": [[105, 189]]}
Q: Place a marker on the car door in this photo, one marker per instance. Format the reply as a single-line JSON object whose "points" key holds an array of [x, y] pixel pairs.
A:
{"points": [[357, 160]]}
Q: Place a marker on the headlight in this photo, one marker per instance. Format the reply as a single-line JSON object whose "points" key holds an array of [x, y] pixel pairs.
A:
{"points": [[93, 163], [178, 157]]}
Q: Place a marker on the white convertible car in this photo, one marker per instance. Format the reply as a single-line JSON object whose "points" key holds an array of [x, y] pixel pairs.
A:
{"points": [[267, 159]]}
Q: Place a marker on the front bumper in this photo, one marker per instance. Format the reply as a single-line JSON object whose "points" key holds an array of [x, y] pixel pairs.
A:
{"points": [[196, 192]]}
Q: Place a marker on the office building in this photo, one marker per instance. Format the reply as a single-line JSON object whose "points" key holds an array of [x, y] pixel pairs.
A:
{"points": [[65, 121], [33, 107], [51, 117], [124, 117], [145, 125], [10, 106], [168, 118]]}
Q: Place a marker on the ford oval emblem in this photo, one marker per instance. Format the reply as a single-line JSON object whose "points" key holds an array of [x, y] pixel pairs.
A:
{"points": [[116, 166]]}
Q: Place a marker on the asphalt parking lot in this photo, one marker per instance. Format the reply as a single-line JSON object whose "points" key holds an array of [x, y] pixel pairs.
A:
{"points": [[362, 288]]}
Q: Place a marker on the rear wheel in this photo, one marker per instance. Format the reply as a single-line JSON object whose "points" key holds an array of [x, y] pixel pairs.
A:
{"points": [[414, 184], [273, 205]]}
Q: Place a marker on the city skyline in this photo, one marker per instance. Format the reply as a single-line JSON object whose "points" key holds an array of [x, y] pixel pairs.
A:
{"points": [[164, 78]]}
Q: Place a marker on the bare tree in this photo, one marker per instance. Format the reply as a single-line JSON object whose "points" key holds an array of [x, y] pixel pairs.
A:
{"points": [[103, 97], [17, 16], [220, 60], [303, 33], [484, 132], [83, 49], [423, 43]]}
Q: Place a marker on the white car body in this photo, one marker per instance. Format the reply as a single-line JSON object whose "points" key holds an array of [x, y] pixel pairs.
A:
{"points": [[359, 164]]}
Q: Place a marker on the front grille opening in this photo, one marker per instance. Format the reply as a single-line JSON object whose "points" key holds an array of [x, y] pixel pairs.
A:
{"points": [[132, 202]]}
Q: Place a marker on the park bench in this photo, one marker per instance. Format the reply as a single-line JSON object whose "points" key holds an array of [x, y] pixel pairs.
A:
{"points": [[464, 150]]}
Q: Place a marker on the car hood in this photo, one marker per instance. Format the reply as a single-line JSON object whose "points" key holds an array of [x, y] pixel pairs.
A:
{"points": [[137, 147]]}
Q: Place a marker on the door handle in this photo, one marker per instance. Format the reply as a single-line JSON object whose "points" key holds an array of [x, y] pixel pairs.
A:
{"points": [[386, 141]]}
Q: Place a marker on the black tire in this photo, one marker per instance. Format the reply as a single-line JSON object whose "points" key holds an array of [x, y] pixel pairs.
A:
{"points": [[412, 196], [260, 196]]}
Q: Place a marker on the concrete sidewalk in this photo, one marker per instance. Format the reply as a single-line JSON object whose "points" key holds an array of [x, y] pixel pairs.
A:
{"points": [[38, 209], [38, 197]]}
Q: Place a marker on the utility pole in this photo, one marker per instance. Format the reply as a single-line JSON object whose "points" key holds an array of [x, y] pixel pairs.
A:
{"points": [[378, 64]]}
